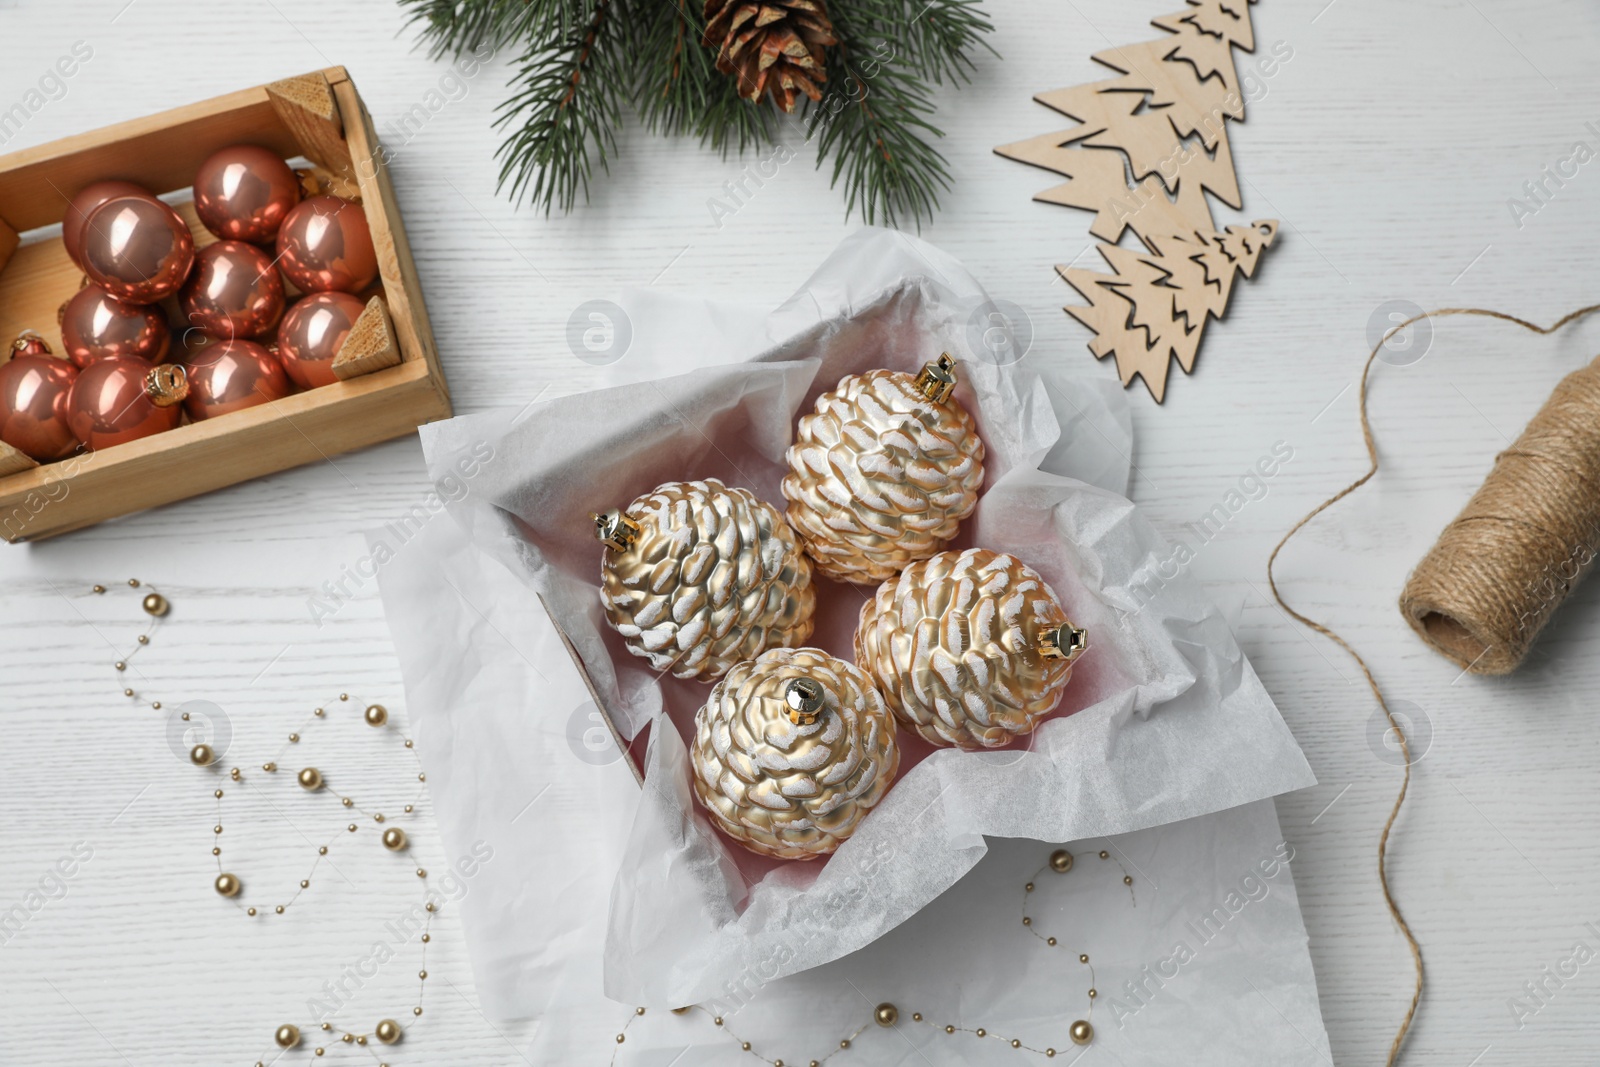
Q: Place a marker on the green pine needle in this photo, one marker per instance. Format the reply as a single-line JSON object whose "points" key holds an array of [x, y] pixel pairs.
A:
{"points": [[583, 63]]}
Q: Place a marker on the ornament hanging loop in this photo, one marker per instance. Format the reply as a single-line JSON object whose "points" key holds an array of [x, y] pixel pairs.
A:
{"points": [[937, 380], [615, 530], [1066, 642], [804, 698], [166, 385]]}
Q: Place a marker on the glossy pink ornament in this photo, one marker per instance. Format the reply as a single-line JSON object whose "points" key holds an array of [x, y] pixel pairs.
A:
{"points": [[33, 404], [96, 325], [234, 291], [83, 205], [123, 399], [313, 332], [138, 249], [325, 245], [231, 376], [243, 193]]}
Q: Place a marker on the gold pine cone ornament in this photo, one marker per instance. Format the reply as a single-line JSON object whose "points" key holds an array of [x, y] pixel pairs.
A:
{"points": [[697, 576], [970, 649], [791, 751], [883, 471]]}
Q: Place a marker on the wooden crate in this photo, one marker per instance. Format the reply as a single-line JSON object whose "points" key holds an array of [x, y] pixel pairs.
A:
{"points": [[319, 116]]}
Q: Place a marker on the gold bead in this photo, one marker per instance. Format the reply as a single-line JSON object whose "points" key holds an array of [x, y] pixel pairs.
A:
{"points": [[886, 1014], [320, 1051], [327, 1026], [424, 976], [377, 817], [279, 909], [745, 1045], [429, 906], [155, 705], [981, 1032], [1104, 854], [310, 779], [1028, 888], [426, 938], [216, 851], [99, 589], [621, 1038], [144, 639], [1026, 921], [408, 742], [814, 1063], [250, 912], [717, 1020], [119, 665], [916, 1016], [1082, 1032], [1050, 941], [216, 829], [1050, 1052], [636, 1011], [293, 738], [1127, 879], [1083, 958], [394, 839], [1015, 1043], [422, 777], [288, 1036], [422, 872], [417, 1010], [227, 885], [184, 716], [1061, 861], [949, 1029], [156, 604], [351, 827], [361, 1039], [376, 715], [127, 692], [408, 809], [387, 1031], [322, 850], [1093, 993], [234, 774], [777, 1063], [305, 883], [347, 1038], [346, 801], [269, 767], [344, 696], [845, 1043], [133, 583], [319, 713], [217, 793]]}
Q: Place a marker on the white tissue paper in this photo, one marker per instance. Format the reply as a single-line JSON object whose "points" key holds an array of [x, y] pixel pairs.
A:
{"points": [[1164, 720], [1201, 960]]}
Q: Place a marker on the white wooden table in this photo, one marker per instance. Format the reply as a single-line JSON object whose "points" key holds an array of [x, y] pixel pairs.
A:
{"points": [[1388, 145]]}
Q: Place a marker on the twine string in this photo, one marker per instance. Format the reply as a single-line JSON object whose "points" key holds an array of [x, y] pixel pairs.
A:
{"points": [[1399, 732]]}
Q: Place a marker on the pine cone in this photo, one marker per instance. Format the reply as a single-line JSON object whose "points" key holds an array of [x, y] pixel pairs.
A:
{"points": [[772, 46], [698, 576], [970, 648], [882, 474], [791, 751]]}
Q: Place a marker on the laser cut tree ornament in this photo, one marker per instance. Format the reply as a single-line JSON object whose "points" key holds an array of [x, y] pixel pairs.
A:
{"points": [[1149, 146]]}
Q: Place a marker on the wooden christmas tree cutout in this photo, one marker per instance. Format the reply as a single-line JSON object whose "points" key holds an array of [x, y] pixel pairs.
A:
{"points": [[1149, 146]]}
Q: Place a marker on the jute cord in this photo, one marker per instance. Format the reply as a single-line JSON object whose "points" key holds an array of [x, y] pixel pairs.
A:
{"points": [[1399, 732]]}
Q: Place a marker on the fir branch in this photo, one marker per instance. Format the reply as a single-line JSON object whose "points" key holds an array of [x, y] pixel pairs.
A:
{"points": [[451, 27], [564, 112], [680, 90]]}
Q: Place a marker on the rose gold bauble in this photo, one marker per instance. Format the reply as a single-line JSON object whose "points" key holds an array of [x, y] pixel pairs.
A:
{"points": [[243, 193], [123, 399], [312, 333], [33, 406], [232, 376], [138, 249], [233, 292], [84, 204], [96, 325], [325, 245]]}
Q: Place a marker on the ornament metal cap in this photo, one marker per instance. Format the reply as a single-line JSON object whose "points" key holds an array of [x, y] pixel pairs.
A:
{"points": [[1066, 642], [166, 385], [805, 700], [615, 530], [29, 342], [937, 380]]}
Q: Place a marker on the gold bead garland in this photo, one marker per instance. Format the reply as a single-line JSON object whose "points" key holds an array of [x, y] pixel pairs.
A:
{"points": [[889, 1016], [231, 887]]}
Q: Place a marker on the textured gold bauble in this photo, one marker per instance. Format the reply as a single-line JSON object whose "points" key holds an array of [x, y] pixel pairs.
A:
{"points": [[156, 604], [1082, 1032], [784, 789], [287, 1036], [202, 755], [376, 715], [310, 779], [956, 644], [882, 472], [388, 1031], [712, 576], [1060, 861], [394, 839], [886, 1014], [228, 885]]}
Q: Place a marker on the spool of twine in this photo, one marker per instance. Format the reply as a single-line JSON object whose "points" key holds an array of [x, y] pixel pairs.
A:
{"points": [[1524, 541]]}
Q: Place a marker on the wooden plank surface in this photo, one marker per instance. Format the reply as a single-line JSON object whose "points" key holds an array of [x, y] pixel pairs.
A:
{"points": [[1390, 144]]}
